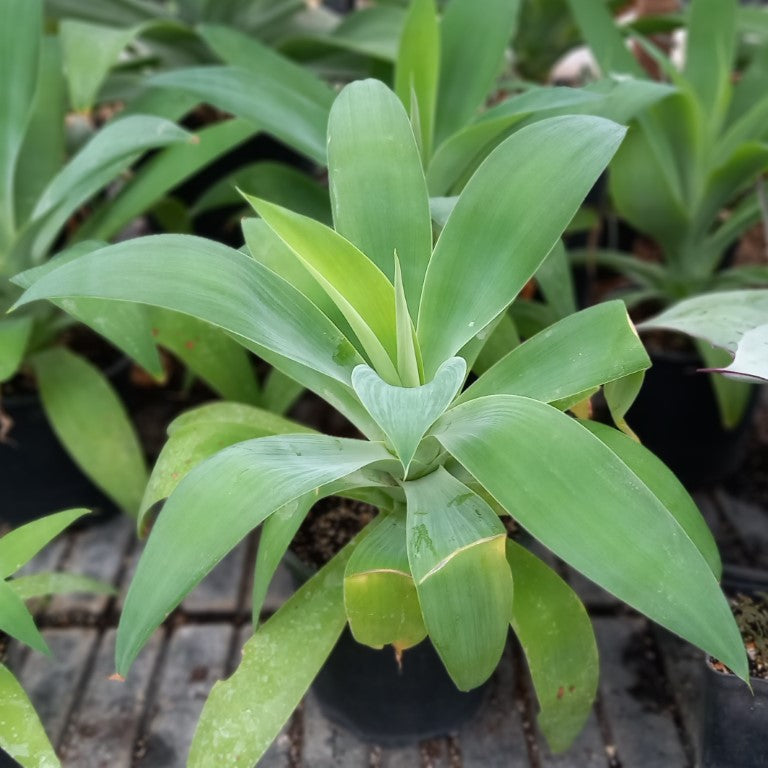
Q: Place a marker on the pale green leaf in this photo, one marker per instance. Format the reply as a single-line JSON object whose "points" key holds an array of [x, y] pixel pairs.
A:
{"points": [[594, 512], [406, 413], [214, 283], [378, 192], [17, 621], [457, 557], [558, 641], [21, 732], [582, 351], [91, 423], [14, 336], [244, 713], [22, 544], [512, 211], [43, 584], [380, 597], [417, 68], [244, 484]]}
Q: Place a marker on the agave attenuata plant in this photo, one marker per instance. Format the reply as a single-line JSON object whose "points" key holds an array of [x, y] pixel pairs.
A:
{"points": [[386, 326]]}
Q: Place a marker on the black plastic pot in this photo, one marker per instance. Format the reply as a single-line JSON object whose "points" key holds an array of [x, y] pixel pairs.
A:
{"points": [[676, 416], [734, 725], [369, 694], [37, 476], [366, 692]]}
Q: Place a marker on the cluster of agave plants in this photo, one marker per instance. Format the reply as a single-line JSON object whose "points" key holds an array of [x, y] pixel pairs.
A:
{"points": [[393, 293]]}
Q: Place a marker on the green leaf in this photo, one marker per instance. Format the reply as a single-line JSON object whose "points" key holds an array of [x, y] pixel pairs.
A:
{"points": [[106, 155], [22, 544], [619, 396], [733, 395], [406, 413], [21, 733], [43, 148], [14, 336], [277, 532], [246, 712], [517, 204], [378, 192], [380, 597], [260, 97], [709, 56], [125, 325], [161, 173], [417, 69], [408, 353], [472, 45], [89, 52], [556, 283], [558, 641], [17, 621], [214, 283], [91, 423], [271, 181], [244, 484], [582, 351], [665, 486], [202, 432], [569, 502], [604, 37], [42, 584], [280, 392], [732, 320], [210, 354], [21, 25], [354, 282], [457, 557]]}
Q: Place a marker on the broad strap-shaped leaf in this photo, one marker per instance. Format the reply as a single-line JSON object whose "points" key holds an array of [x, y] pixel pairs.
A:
{"points": [[604, 38], [380, 597], [409, 365], [472, 45], [277, 182], [161, 173], [378, 191], [126, 325], [218, 360], [558, 641], [357, 286], [665, 486], [457, 558], [244, 713], [214, 507], [619, 395], [736, 321], [14, 335], [90, 421], [201, 432], [406, 413], [44, 145], [214, 283], [709, 55], [277, 532], [555, 282], [572, 492], [55, 583], [108, 153], [21, 25], [22, 544], [417, 70], [512, 211], [22, 735], [17, 621], [582, 351], [733, 391], [262, 99]]}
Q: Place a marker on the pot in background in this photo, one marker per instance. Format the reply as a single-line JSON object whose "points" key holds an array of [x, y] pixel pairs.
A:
{"points": [[37, 476], [734, 724], [677, 418]]}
